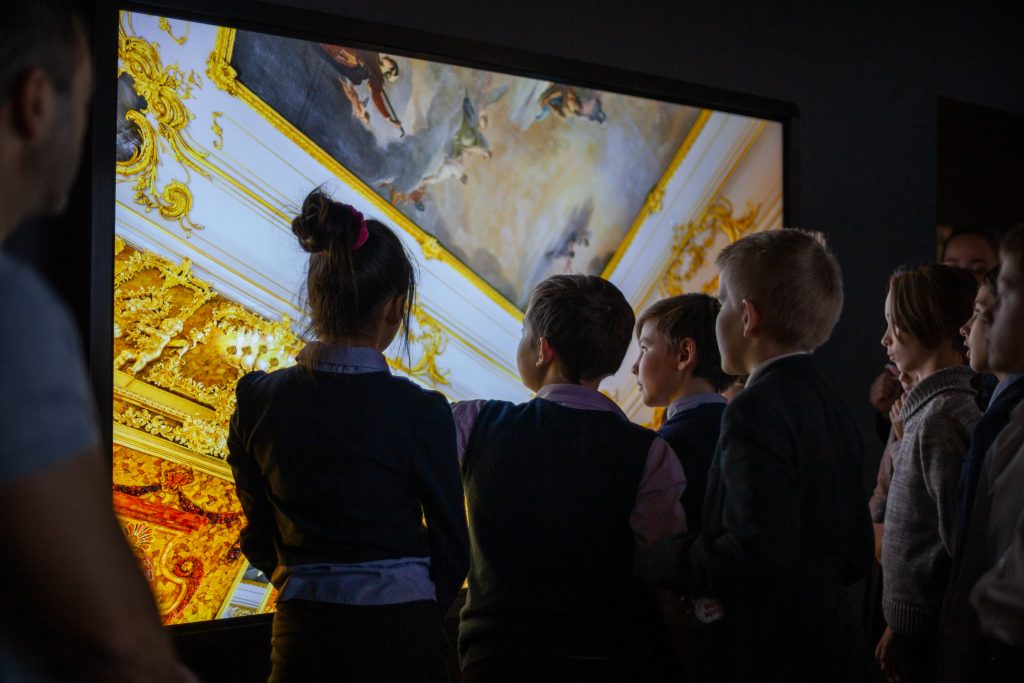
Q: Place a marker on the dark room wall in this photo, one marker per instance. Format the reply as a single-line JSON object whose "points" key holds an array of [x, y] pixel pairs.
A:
{"points": [[866, 77]]}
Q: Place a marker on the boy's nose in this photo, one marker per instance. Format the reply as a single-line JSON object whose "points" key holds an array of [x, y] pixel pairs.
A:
{"points": [[636, 367]]}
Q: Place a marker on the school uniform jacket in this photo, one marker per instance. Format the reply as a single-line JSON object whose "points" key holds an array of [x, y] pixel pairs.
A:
{"points": [[786, 529]]}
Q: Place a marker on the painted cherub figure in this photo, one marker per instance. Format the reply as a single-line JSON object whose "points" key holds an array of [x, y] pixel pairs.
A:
{"points": [[152, 343]]}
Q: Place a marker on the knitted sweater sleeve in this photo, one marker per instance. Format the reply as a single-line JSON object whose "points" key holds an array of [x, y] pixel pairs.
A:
{"points": [[941, 445]]}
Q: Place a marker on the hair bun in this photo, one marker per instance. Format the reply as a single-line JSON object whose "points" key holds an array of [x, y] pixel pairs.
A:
{"points": [[324, 223]]}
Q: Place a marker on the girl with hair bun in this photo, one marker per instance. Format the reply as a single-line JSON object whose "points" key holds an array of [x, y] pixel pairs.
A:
{"points": [[348, 476]]}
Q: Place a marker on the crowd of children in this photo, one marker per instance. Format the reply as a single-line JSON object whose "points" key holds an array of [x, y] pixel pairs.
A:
{"points": [[719, 548]]}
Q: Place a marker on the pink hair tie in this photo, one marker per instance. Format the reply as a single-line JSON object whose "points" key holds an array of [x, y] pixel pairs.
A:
{"points": [[364, 233]]}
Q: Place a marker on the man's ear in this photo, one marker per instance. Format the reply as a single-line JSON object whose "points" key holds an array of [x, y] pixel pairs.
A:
{"points": [[686, 354], [546, 353], [751, 318], [33, 105]]}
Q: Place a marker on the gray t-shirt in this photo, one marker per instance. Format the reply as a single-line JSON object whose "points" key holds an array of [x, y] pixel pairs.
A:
{"points": [[46, 409]]}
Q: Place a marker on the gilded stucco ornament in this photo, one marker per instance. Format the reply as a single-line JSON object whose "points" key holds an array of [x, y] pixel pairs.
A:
{"points": [[693, 242], [173, 332], [428, 335], [165, 26], [160, 124]]}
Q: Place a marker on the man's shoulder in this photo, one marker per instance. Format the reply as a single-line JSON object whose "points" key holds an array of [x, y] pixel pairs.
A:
{"points": [[46, 407], [27, 304]]}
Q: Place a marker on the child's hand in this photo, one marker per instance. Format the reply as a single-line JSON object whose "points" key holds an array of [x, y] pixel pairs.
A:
{"points": [[890, 656], [894, 418], [884, 390]]}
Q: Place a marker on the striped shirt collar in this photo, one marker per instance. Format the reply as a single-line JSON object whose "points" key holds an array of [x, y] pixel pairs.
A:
{"points": [[577, 396], [347, 360]]}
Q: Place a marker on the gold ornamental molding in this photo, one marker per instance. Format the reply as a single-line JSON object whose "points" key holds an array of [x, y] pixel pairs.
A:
{"points": [[429, 335], [693, 241], [160, 125], [225, 77], [180, 348], [158, 447], [215, 128], [165, 26]]}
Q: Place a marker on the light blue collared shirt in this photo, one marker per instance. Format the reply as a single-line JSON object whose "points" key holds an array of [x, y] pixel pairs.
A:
{"points": [[692, 401], [379, 582], [1001, 387], [348, 360]]}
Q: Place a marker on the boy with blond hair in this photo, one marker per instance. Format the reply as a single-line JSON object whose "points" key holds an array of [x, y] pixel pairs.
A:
{"points": [[785, 524], [679, 369]]}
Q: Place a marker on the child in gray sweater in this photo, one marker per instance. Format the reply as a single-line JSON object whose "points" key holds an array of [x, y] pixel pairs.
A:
{"points": [[924, 311]]}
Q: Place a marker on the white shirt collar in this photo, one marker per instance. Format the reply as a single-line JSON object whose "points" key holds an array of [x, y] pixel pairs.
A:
{"points": [[760, 367]]}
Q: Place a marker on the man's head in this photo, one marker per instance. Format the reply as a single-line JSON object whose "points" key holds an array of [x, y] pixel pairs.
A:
{"points": [[1006, 333], [576, 330], [45, 88], [973, 249], [677, 345], [780, 290]]}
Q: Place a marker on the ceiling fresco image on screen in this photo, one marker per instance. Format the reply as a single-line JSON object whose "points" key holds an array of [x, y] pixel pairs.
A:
{"points": [[518, 178]]}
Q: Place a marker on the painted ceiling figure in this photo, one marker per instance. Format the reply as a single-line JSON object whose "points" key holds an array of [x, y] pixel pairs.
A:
{"points": [[469, 137], [414, 197], [567, 100], [366, 66], [576, 233]]}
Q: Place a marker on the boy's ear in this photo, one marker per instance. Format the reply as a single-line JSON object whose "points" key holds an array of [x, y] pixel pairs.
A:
{"points": [[751, 318], [686, 354], [546, 353]]}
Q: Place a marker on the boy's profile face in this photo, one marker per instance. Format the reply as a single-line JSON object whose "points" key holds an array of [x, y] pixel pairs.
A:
{"points": [[732, 344], [1005, 350], [975, 331], [657, 368], [903, 348]]}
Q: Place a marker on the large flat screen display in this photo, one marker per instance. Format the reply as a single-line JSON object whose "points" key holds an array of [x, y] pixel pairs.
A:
{"points": [[493, 181]]}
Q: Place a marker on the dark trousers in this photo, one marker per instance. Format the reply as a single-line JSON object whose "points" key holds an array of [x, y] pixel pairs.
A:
{"points": [[918, 658], [319, 641], [512, 669]]}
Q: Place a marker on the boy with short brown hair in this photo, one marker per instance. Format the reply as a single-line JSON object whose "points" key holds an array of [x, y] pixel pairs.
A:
{"points": [[679, 369], [785, 525], [565, 495]]}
